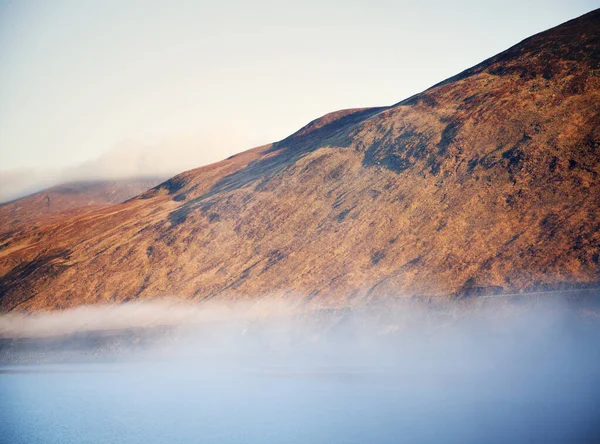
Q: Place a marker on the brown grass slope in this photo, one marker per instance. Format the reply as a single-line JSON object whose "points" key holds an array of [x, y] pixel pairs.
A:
{"points": [[488, 182]]}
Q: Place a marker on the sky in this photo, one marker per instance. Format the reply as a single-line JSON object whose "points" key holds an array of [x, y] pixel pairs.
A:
{"points": [[108, 89]]}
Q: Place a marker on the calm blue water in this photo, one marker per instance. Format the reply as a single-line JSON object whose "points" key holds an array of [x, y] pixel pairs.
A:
{"points": [[157, 403]]}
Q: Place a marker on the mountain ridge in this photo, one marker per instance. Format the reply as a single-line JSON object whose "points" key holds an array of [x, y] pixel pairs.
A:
{"points": [[481, 184]]}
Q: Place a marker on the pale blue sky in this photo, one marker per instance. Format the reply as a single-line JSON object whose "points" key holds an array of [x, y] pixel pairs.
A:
{"points": [[159, 86]]}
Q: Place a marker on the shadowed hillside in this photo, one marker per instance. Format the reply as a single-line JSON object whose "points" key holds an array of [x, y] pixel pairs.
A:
{"points": [[486, 183]]}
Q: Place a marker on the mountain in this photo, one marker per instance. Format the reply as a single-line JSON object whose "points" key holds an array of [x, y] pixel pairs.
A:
{"points": [[74, 197], [485, 183]]}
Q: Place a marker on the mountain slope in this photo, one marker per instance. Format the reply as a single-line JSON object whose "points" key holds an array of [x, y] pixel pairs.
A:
{"points": [[487, 182]]}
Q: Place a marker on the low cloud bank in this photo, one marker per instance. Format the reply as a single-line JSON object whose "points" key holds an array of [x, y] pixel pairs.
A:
{"points": [[136, 315]]}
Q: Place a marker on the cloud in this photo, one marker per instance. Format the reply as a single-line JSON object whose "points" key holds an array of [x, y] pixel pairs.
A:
{"points": [[129, 159], [21, 182]]}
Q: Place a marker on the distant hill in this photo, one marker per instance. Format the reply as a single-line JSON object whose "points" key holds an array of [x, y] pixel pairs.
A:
{"points": [[79, 196], [485, 183]]}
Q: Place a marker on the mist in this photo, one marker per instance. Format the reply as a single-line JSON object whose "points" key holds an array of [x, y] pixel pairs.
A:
{"points": [[129, 159], [522, 370]]}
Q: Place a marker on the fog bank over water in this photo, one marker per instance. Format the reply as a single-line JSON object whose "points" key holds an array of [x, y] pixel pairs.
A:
{"points": [[391, 313], [504, 370]]}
